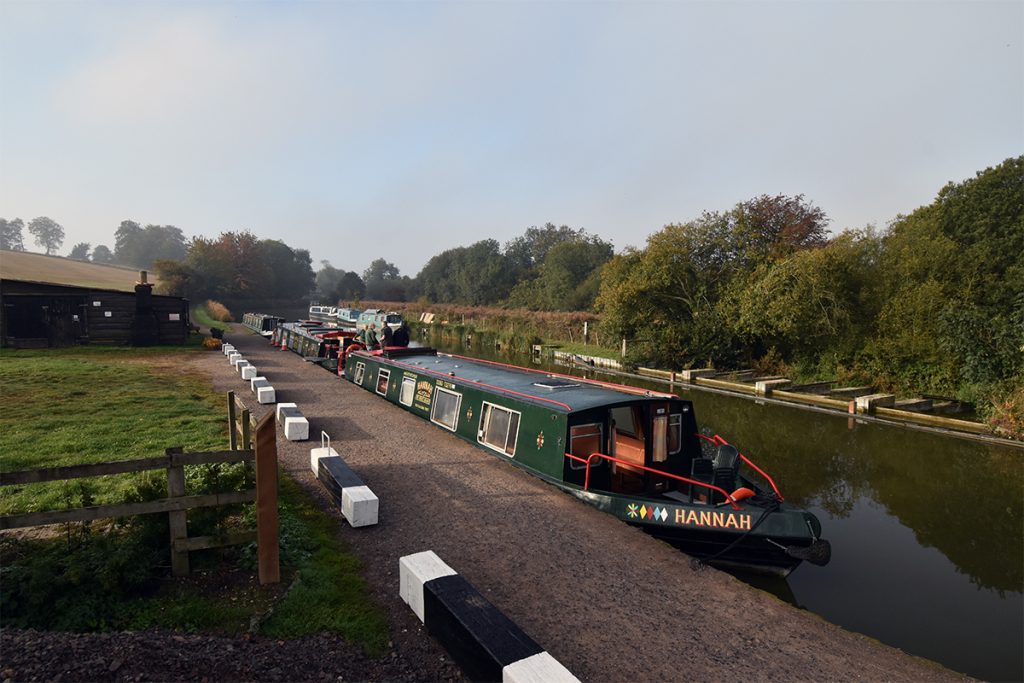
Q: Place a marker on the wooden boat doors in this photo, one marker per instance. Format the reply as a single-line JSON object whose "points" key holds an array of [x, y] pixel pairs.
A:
{"points": [[641, 436]]}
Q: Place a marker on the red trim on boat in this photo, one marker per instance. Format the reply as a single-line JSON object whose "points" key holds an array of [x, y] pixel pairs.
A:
{"points": [[590, 458], [719, 441]]}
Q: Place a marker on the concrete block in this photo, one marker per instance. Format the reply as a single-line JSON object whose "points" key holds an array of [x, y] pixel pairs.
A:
{"points": [[227, 349], [414, 571], [692, 375], [296, 428], [316, 453], [234, 357], [359, 506], [242, 364], [265, 394], [281, 407], [867, 404], [257, 382], [248, 372], [540, 668], [765, 386]]}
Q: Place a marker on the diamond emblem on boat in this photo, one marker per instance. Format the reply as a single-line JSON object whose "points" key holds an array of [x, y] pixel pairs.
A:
{"points": [[664, 514], [643, 512]]}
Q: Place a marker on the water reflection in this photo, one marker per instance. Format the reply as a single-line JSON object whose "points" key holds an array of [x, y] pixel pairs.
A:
{"points": [[927, 531]]}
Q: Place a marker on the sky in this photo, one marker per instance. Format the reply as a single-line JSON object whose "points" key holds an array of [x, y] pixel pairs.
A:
{"points": [[400, 129]]}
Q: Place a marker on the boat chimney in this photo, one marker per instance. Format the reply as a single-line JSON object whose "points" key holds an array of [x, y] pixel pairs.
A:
{"points": [[142, 277]]}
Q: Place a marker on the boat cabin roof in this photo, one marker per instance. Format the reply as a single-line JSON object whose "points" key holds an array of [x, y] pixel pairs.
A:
{"points": [[562, 393]]}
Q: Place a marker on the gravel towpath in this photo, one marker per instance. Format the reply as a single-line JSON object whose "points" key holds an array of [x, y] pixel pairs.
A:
{"points": [[606, 600]]}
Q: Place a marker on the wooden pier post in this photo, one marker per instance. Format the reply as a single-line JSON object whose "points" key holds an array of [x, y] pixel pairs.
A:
{"points": [[232, 434], [267, 549], [177, 519]]}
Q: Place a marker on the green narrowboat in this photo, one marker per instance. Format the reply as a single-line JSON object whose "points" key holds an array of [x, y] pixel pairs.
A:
{"points": [[635, 454]]}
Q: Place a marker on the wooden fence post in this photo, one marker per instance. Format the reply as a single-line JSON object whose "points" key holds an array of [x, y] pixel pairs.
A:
{"points": [[232, 434], [178, 518], [247, 430], [267, 549]]}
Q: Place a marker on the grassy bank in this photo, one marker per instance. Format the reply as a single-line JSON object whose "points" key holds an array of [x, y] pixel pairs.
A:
{"points": [[92, 405]]}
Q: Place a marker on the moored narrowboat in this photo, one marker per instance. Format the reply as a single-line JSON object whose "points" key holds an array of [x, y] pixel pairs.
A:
{"points": [[633, 453], [378, 317], [261, 323]]}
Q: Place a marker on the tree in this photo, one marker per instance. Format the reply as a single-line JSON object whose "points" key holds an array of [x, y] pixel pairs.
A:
{"points": [[140, 247], [569, 277], [350, 288], [102, 254], [383, 281], [10, 234], [80, 251], [327, 280], [48, 233], [291, 270]]}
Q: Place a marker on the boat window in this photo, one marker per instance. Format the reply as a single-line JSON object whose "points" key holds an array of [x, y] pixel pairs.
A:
{"points": [[675, 433], [584, 440], [660, 438], [383, 377], [360, 370], [408, 391], [499, 428], [394, 318], [445, 410], [625, 423]]}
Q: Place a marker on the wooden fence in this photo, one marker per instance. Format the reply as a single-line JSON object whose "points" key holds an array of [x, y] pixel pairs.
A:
{"points": [[177, 503]]}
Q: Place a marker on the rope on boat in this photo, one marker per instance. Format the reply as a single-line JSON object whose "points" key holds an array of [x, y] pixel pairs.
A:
{"points": [[698, 564]]}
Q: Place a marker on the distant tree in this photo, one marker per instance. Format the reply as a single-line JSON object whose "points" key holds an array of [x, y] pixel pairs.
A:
{"points": [[48, 233], [326, 281], [383, 281], [175, 277], [350, 288], [569, 277], [140, 247], [291, 270], [10, 234], [102, 254], [527, 252], [80, 251]]}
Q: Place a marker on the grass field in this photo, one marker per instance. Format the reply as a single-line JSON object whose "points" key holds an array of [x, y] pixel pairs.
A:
{"points": [[82, 405], [23, 265]]}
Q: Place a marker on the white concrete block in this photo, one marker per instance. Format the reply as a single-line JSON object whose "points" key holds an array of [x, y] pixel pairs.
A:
{"points": [[359, 505], [234, 357], [227, 349], [540, 668], [414, 571], [242, 364], [265, 394], [248, 372], [257, 382], [316, 453], [296, 428], [284, 405]]}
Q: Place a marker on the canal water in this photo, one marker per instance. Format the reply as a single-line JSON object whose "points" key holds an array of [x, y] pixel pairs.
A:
{"points": [[927, 531]]}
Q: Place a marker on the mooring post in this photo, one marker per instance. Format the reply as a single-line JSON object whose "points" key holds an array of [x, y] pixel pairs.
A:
{"points": [[178, 520], [232, 434], [267, 549]]}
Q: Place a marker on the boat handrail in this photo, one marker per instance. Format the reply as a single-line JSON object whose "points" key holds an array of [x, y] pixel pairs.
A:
{"points": [[589, 460], [719, 441]]}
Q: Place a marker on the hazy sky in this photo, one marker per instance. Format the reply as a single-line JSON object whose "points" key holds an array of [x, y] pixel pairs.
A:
{"points": [[400, 129]]}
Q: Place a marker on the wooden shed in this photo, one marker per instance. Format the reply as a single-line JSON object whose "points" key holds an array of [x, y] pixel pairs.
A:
{"points": [[39, 314]]}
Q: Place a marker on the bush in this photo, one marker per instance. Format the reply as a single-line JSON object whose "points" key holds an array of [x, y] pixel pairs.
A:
{"points": [[218, 311], [211, 343]]}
